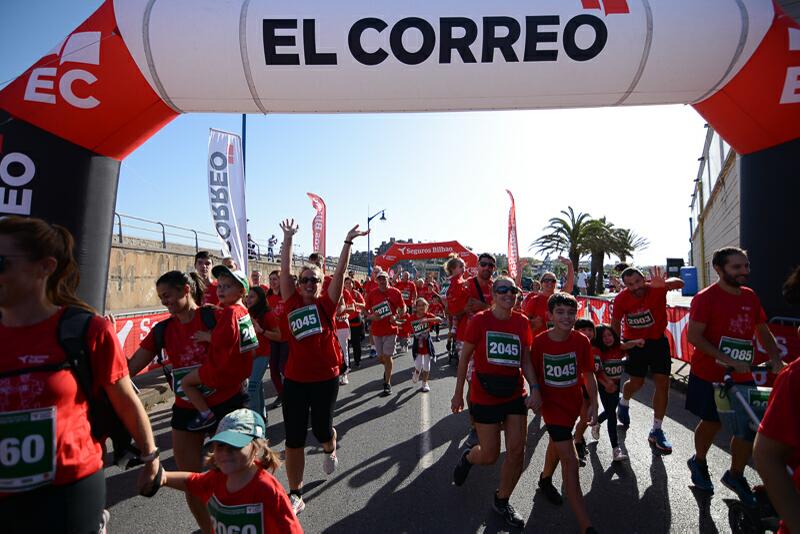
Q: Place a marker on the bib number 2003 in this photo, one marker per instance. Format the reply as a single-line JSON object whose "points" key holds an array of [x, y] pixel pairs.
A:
{"points": [[27, 449]]}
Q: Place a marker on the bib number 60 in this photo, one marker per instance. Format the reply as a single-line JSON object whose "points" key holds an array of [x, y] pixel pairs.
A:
{"points": [[30, 450]]}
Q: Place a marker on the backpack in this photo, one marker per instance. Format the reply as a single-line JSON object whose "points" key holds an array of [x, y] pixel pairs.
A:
{"points": [[103, 420], [208, 319]]}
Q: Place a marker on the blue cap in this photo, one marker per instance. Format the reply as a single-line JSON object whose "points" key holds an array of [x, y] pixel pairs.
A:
{"points": [[240, 427]]}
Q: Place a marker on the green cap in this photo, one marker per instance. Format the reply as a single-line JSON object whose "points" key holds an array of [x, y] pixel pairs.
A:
{"points": [[240, 427], [223, 270]]}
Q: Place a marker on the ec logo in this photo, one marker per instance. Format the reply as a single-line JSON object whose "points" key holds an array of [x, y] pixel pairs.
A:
{"points": [[81, 47], [610, 7]]}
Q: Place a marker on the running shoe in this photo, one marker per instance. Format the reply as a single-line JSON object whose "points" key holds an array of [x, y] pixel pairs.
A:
{"points": [[202, 423], [596, 432], [373, 353], [738, 484], [549, 490], [462, 469], [580, 446], [660, 441], [278, 401], [297, 503], [425, 387], [415, 376], [509, 515], [329, 463], [619, 455], [345, 379], [104, 522], [624, 415], [472, 439], [700, 476], [387, 389]]}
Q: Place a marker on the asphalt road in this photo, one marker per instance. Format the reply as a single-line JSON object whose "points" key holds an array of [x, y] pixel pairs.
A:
{"points": [[396, 457]]}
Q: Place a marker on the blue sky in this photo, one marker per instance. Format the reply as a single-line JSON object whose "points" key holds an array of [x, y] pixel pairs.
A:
{"points": [[438, 176]]}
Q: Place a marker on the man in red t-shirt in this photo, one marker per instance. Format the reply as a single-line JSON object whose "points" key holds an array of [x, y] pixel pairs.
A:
{"points": [[385, 304], [535, 304], [479, 289], [723, 321], [202, 266], [643, 307]]}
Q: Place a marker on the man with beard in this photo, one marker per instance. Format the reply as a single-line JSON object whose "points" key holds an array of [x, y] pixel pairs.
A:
{"points": [[643, 306], [722, 322]]}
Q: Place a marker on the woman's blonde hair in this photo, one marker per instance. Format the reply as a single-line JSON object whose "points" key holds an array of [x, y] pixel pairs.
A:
{"points": [[261, 454], [453, 262]]}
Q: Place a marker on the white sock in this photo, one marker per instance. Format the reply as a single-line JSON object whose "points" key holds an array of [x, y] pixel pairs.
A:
{"points": [[657, 423], [623, 401]]}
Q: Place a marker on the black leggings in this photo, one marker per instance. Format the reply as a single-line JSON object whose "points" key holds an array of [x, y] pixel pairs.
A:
{"points": [[356, 335], [610, 401], [74, 508], [302, 398]]}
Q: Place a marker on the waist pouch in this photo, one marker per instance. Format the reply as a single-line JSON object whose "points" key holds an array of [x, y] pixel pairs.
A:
{"points": [[499, 385]]}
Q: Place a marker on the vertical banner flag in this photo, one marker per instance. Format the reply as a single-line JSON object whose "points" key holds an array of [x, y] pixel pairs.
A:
{"points": [[226, 184], [318, 226], [514, 270]]}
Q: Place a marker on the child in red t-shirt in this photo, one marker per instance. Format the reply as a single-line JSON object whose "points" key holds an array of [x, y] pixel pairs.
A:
{"points": [[232, 344], [559, 357], [585, 327], [240, 490], [421, 323]]}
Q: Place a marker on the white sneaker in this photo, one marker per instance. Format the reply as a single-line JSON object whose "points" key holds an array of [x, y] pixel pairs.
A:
{"points": [[343, 379], [619, 456], [596, 432], [415, 376], [104, 522], [297, 503], [329, 463], [425, 387]]}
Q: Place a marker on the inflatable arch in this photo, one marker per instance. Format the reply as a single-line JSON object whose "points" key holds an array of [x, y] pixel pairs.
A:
{"points": [[426, 251], [134, 65]]}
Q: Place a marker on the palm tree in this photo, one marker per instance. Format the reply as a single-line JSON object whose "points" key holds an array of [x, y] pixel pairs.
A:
{"points": [[601, 239], [627, 243], [566, 234]]}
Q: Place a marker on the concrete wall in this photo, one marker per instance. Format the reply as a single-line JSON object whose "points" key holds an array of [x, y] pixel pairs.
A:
{"points": [[720, 221]]}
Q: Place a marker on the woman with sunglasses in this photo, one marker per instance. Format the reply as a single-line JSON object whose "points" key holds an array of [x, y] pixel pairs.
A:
{"points": [[311, 384], [51, 473], [536, 305], [499, 341]]}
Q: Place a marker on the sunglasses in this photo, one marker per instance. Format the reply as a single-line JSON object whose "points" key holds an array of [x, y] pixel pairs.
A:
{"points": [[4, 260], [502, 290], [313, 279], [549, 281], [486, 264]]}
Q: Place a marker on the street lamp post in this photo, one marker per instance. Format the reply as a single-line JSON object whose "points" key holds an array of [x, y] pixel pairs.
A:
{"points": [[369, 248]]}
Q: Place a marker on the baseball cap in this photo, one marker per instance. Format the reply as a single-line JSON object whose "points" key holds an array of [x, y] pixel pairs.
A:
{"points": [[222, 270], [240, 427], [382, 274]]}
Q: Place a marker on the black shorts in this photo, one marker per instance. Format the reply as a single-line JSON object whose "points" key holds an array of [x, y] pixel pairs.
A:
{"points": [[302, 398], [74, 507], [492, 414], [181, 417], [654, 355], [559, 433], [700, 398]]}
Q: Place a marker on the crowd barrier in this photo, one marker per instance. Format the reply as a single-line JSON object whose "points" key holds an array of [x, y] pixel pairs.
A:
{"points": [[133, 328]]}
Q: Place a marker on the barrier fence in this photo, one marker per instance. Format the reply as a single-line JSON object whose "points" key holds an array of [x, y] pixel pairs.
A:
{"points": [[133, 328]]}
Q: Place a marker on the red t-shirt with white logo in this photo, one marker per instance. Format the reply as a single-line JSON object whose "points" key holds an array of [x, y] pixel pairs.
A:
{"points": [[408, 290], [611, 362], [278, 308], [472, 292], [499, 347], [731, 322], [421, 331], [184, 354], [46, 411], [354, 317], [644, 318], [268, 321], [781, 423], [536, 306], [262, 503], [384, 304], [559, 366], [343, 320], [313, 347], [210, 294], [231, 351], [457, 296]]}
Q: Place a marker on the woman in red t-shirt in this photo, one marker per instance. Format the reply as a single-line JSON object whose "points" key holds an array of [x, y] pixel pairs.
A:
{"points": [[266, 325], [312, 374], [279, 349], [355, 320], [499, 340], [51, 474]]}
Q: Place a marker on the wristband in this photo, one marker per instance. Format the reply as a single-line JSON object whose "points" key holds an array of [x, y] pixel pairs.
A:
{"points": [[149, 457], [348, 242]]}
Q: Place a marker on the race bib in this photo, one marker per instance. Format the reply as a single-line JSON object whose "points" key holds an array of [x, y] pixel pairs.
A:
{"points": [[27, 449], [305, 322], [598, 363], [758, 399], [420, 328], [613, 368], [241, 519], [382, 310], [737, 349], [503, 349], [247, 334], [177, 376], [406, 294], [561, 370], [640, 319]]}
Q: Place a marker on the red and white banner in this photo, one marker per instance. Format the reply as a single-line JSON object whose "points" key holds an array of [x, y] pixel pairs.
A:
{"points": [[132, 330], [514, 271], [318, 226], [426, 251]]}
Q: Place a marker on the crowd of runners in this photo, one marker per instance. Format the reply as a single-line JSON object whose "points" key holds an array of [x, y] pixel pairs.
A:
{"points": [[518, 354]]}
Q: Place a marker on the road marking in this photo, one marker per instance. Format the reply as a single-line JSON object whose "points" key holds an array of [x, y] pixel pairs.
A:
{"points": [[425, 452]]}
